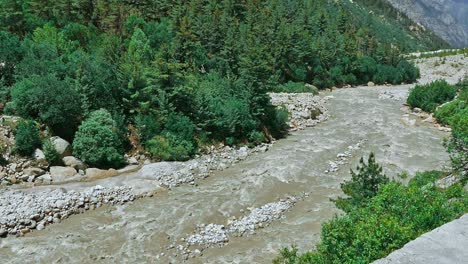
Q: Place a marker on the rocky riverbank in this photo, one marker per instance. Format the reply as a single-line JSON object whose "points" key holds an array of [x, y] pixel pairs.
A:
{"points": [[22, 211]]}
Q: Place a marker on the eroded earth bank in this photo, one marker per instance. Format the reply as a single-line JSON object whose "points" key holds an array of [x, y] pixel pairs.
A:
{"points": [[245, 212]]}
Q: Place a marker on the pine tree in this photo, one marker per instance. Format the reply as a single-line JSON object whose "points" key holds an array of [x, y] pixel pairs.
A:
{"points": [[364, 184]]}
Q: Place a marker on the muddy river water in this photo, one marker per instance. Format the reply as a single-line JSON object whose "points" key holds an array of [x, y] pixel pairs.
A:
{"points": [[140, 231]]}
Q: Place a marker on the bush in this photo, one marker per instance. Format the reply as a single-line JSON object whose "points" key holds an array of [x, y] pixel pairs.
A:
{"points": [[180, 126], [428, 97], [97, 141], [295, 87], [170, 148], [51, 101], [449, 110], [256, 137], [51, 155], [27, 138]]}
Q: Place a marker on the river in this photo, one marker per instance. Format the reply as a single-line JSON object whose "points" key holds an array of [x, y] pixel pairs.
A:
{"points": [[140, 231]]}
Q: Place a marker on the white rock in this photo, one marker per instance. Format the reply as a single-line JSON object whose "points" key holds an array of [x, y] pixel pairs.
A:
{"points": [[33, 172], [132, 161], [59, 173], [62, 146], [39, 155], [74, 163], [417, 110]]}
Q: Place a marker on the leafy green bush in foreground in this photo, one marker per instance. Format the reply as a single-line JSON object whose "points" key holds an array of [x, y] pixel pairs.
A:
{"points": [[97, 141], [428, 97], [396, 215]]}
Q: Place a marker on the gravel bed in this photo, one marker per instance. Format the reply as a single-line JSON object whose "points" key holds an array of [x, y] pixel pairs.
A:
{"points": [[215, 234], [23, 211]]}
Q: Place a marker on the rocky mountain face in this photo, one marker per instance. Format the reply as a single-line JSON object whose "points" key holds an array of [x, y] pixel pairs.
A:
{"points": [[447, 18]]}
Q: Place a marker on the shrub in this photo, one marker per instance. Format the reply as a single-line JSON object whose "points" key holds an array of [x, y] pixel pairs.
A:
{"points": [[180, 126], [446, 112], [51, 155], [295, 87], [52, 101], [256, 137], [170, 148], [428, 97], [97, 141], [27, 138]]}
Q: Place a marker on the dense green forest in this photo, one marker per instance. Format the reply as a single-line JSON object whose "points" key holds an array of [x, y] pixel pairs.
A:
{"points": [[169, 75]]}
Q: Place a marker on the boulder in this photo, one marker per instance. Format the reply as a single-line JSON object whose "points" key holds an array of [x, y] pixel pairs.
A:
{"points": [[132, 161], [62, 146], [46, 178], [39, 155], [417, 110], [59, 173], [94, 173], [33, 172], [74, 163], [370, 84]]}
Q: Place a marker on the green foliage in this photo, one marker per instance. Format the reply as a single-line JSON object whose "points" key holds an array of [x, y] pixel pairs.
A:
{"points": [[11, 53], [428, 97], [180, 126], [387, 74], [455, 114], [148, 127], [364, 184], [27, 138], [97, 141], [50, 100], [390, 219], [169, 147], [222, 108], [295, 87], [458, 144], [51, 155], [445, 113], [256, 137], [212, 62]]}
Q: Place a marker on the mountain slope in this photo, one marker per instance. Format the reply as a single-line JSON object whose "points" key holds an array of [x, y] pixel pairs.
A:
{"points": [[447, 18], [392, 26]]}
